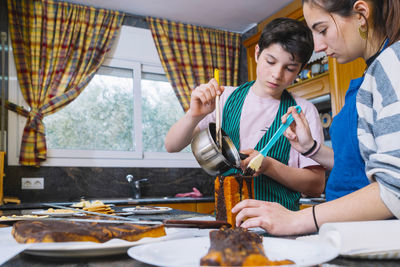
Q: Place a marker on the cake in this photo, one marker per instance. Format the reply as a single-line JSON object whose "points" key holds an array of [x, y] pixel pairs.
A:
{"points": [[229, 191], [237, 247], [65, 231]]}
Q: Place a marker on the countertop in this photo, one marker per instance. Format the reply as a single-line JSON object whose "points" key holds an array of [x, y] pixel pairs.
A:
{"points": [[140, 201], [116, 201], [124, 260]]}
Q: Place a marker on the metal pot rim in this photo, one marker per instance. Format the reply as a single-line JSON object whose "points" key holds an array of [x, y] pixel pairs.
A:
{"points": [[222, 157]]}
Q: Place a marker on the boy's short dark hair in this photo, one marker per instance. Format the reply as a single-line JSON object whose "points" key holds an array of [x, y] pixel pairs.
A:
{"points": [[295, 37]]}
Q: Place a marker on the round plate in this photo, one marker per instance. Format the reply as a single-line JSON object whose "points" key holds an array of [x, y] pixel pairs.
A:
{"points": [[16, 218], [88, 249], [147, 209], [188, 251], [75, 205], [54, 214]]}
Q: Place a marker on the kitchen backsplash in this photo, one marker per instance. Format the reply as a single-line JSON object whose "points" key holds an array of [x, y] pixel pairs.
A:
{"points": [[70, 184]]}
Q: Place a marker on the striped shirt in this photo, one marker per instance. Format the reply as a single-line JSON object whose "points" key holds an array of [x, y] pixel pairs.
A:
{"points": [[378, 107]]}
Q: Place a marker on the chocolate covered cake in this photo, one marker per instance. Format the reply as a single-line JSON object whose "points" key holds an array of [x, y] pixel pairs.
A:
{"points": [[237, 247], [64, 231], [229, 191]]}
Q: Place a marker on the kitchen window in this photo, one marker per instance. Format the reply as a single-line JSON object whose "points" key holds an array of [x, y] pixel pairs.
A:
{"points": [[100, 118], [119, 120], [160, 110]]}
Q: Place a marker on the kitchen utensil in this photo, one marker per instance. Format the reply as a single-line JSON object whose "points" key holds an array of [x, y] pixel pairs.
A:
{"points": [[207, 154], [91, 212], [255, 163], [218, 136], [134, 221], [195, 224], [167, 223], [147, 210]]}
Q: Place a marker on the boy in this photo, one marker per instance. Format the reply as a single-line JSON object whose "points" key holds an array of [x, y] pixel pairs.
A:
{"points": [[252, 112]]}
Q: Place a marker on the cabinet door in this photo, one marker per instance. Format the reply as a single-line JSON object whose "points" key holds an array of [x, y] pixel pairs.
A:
{"points": [[340, 77], [206, 207], [312, 88], [179, 206], [2, 154], [251, 60]]}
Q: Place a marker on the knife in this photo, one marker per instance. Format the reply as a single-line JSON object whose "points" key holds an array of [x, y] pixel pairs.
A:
{"points": [[133, 221], [196, 224], [166, 223], [92, 213]]}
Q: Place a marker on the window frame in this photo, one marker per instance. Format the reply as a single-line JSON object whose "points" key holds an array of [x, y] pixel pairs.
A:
{"points": [[98, 158]]}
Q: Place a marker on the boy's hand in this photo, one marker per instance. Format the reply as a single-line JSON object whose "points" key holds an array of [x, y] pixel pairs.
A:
{"points": [[203, 98]]}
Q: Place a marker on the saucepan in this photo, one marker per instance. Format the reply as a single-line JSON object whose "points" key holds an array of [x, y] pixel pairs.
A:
{"points": [[207, 153]]}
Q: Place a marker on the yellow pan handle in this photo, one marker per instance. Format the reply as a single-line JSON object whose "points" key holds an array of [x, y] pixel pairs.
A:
{"points": [[216, 75]]}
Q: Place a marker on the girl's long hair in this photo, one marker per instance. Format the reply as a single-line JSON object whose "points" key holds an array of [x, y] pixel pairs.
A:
{"points": [[385, 14]]}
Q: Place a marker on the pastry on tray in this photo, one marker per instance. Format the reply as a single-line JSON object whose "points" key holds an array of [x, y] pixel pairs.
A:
{"points": [[237, 247], [65, 231]]}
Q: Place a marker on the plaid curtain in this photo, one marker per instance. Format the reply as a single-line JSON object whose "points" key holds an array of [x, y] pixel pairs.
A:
{"points": [[58, 47], [190, 53]]}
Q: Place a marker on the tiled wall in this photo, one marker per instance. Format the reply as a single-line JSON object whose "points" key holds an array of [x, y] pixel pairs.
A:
{"points": [[69, 184]]}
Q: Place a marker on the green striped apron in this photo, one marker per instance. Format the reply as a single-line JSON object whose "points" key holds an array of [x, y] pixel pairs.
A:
{"points": [[265, 188]]}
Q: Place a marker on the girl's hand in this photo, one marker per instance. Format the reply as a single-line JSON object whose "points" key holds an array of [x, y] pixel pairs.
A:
{"points": [[298, 133], [271, 216]]}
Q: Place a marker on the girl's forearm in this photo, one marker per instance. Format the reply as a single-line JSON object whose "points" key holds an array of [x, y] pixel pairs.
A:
{"points": [[324, 156]]}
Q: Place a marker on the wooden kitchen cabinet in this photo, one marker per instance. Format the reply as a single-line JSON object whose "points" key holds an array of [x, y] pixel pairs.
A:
{"points": [[340, 76], [178, 206], [206, 208], [250, 45], [335, 82], [313, 87], [2, 154], [200, 207]]}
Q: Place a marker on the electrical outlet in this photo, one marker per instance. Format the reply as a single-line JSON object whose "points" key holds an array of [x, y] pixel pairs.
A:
{"points": [[32, 183]]}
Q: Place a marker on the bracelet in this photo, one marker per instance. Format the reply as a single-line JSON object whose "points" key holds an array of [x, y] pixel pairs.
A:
{"points": [[314, 151], [310, 150], [315, 219]]}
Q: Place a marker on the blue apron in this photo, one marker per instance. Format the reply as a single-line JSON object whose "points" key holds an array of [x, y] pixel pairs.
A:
{"points": [[348, 173]]}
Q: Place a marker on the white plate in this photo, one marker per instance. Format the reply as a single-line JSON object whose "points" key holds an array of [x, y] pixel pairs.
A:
{"points": [[364, 252], [21, 218], [54, 214], [188, 252], [147, 210], [88, 249], [85, 249], [75, 205], [384, 255]]}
